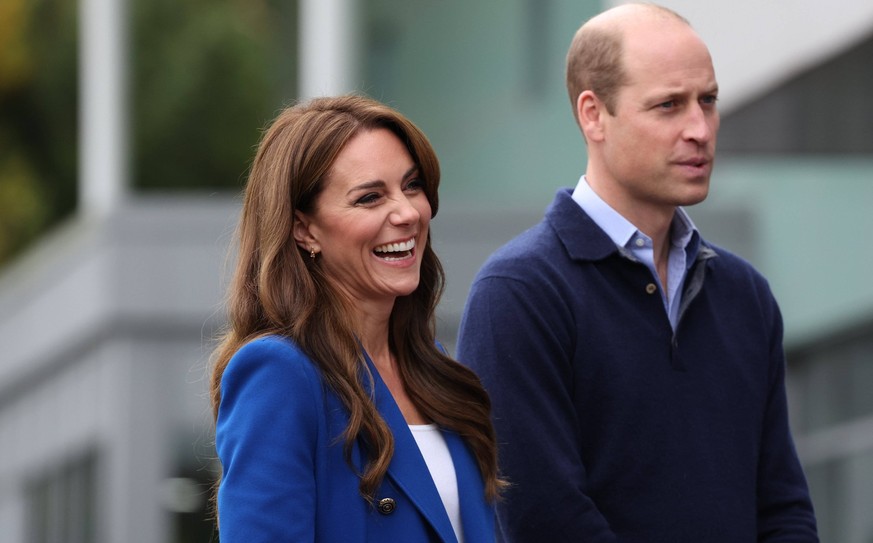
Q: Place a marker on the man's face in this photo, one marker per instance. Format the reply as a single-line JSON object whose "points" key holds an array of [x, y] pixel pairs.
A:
{"points": [[658, 148]]}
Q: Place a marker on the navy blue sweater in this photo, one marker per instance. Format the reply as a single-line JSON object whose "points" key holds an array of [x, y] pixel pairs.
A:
{"points": [[614, 428]]}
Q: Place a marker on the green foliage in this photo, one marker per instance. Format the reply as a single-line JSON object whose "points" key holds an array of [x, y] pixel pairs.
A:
{"points": [[202, 83], [37, 119], [201, 91], [23, 211]]}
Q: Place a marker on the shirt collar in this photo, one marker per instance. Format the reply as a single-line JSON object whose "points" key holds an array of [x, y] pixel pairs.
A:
{"points": [[622, 231], [682, 229]]}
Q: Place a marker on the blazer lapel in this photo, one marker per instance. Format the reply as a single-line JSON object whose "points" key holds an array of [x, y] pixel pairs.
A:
{"points": [[408, 469], [478, 514]]}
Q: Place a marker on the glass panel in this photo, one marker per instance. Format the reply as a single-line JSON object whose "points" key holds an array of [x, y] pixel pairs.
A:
{"points": [[60, 503]]}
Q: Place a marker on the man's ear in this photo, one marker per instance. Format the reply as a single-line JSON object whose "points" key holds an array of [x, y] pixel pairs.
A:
{"points": [[590, 111], [302, 235]]}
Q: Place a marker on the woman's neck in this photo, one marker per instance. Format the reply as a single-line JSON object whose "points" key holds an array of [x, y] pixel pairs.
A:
{"points": [[373, 334]]}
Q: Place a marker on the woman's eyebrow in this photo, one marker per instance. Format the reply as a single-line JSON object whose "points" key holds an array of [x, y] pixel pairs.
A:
{"points": [[367, 185]]}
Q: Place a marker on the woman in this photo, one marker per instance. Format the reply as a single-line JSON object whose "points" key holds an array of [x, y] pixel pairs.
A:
{"points": [[338, 417]]}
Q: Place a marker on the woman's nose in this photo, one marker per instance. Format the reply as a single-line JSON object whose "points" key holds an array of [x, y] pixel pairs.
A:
{"points": [[404, 212]]}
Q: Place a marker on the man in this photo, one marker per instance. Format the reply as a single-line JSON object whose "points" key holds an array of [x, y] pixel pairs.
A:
{"points": [[636, 371]]}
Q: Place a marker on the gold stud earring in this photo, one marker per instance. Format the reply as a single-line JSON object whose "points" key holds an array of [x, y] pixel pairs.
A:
{"points": [[312, 252]]}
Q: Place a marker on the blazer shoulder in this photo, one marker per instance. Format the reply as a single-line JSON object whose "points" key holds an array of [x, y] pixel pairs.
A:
{"points": [[270, 421], [278, 351], [275, 362]]}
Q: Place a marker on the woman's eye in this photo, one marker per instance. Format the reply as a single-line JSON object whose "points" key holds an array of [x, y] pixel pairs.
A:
{"points": [[415, 184], [368, 198]]}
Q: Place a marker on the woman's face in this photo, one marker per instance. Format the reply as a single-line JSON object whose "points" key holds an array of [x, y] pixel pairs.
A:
{"points": [[370, 221]]}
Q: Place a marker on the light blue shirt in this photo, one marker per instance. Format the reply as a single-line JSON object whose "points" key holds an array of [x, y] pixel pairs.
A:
{"points": [[638, 244]]}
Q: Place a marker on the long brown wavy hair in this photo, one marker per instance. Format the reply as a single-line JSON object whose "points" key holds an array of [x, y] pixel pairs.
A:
{"points": [[278, 289]]}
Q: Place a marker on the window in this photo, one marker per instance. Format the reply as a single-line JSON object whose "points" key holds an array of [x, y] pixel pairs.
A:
{"points": [[61, 503]]}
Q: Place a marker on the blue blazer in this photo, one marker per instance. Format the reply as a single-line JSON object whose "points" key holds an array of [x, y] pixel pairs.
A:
{"points": [[279, 438]]}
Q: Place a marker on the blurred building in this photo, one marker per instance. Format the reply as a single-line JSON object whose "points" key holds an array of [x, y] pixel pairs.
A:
{"points": [[107, 325], [806, 147], [104, 421]]}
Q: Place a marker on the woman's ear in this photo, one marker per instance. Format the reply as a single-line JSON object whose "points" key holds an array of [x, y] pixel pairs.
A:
{"points": [[304, 238], [590, 111]]}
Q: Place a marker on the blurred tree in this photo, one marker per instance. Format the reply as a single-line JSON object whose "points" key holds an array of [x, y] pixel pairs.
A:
{"points": [[202, 89], [23, 210], [37, 118], [205, 77]]}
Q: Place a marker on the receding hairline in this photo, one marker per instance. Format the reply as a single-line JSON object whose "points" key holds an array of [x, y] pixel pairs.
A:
{"points": [[615, 19], [601, 42]]}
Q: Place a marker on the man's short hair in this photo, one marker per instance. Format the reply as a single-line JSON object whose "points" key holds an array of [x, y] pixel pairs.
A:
{"points": [[594, 61]]}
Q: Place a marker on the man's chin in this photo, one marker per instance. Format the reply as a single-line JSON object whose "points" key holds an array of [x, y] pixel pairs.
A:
{"points": [[694, 194]]}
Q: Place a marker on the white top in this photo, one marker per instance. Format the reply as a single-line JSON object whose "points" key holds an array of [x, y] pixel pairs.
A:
{"points": [[436, 455]]}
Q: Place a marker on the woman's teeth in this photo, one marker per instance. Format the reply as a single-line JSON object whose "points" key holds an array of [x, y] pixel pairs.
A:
{"points": [[396, 247]]}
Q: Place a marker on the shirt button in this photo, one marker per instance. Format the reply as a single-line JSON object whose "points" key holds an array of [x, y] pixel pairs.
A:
{"points": [[386, 506], [640, 242], [651, 288]]}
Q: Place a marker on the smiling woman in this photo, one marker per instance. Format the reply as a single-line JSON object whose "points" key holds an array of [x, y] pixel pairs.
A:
{"points": [[338, 416], [367, 221]]}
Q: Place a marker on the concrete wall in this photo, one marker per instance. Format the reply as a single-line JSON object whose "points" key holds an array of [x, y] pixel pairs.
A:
{"points": [[106, 330]]}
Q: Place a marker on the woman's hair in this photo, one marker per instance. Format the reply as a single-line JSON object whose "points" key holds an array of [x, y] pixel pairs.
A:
{"points": [[278, 289]]}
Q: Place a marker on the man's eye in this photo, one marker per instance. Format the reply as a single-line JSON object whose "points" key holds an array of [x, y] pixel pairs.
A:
{"points": [[668, 104], [709, 100]]}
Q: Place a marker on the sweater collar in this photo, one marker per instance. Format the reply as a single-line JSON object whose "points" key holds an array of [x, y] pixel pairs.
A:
{"points": [[578, 232], [585, 240]]}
